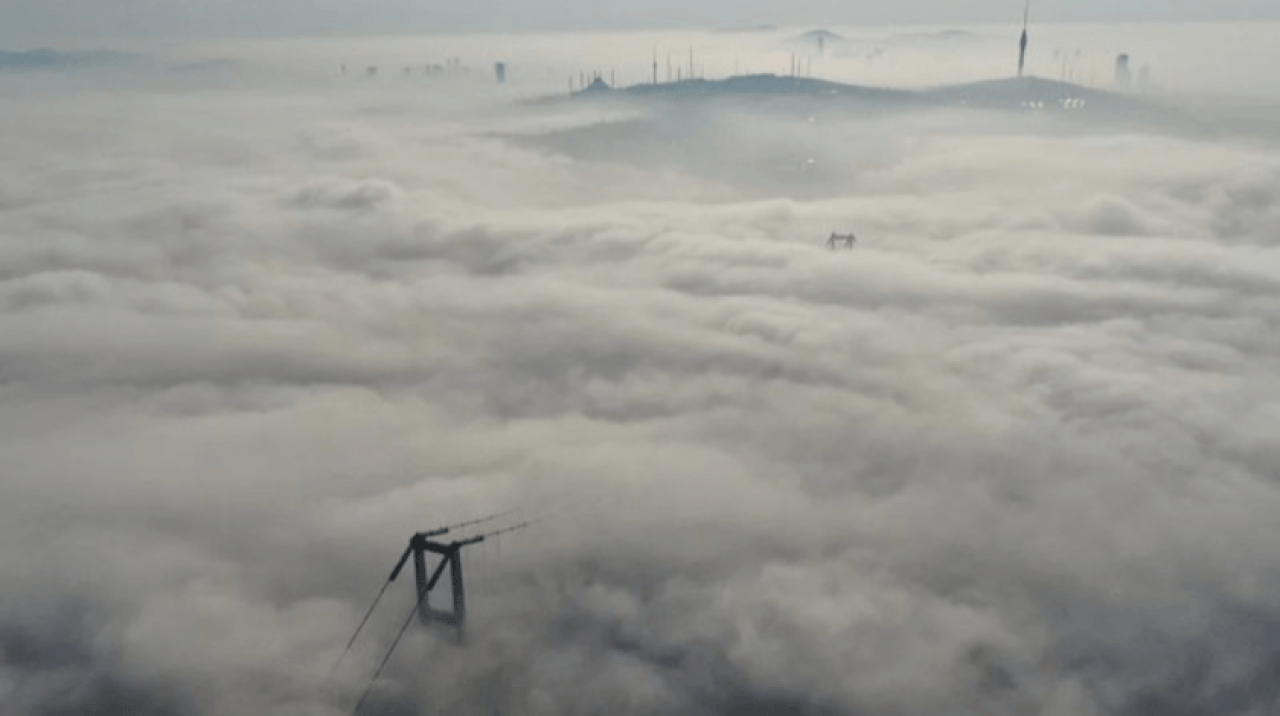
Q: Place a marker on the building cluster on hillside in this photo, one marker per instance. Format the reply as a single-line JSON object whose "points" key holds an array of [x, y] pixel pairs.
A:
{"points": [[451, 67]]}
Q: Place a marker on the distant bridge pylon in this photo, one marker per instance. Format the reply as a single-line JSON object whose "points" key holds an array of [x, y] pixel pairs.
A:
{"points": [[847, 239]]}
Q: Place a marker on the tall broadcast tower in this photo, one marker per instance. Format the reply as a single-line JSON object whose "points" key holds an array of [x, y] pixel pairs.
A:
{"points": [[1022, 45]]}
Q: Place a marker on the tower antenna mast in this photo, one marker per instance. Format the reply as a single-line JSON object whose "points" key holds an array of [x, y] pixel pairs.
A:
{"points": [[1022, 44]]}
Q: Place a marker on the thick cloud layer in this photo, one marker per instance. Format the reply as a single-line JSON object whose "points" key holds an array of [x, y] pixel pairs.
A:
{"points": [[1012, 455]]}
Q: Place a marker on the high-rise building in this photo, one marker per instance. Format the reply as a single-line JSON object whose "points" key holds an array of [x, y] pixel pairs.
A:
{"points": [[500, 72], [1123, 75]]}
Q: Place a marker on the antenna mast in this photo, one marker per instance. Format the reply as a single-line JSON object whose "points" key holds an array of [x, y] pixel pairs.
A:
{"points": [[1022, 45]]}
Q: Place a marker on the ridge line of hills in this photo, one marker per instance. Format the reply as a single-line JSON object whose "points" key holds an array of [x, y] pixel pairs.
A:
{"points": [[1012, 92]]}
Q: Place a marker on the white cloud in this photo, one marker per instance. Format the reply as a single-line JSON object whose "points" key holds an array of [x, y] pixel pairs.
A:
{"points": [[1012, 455]]}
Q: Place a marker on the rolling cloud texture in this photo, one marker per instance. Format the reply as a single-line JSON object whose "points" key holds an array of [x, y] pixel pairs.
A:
{"points": [[1015, 454]]}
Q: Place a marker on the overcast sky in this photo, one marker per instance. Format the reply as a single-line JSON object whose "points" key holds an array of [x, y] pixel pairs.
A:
{"points": [[23, 22]]}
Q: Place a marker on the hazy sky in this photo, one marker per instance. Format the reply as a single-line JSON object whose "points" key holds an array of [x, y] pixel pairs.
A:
{"points": [[25, 21]]}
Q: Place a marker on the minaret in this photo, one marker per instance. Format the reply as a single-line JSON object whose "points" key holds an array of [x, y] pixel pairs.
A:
{"points": [[1022, 45]]}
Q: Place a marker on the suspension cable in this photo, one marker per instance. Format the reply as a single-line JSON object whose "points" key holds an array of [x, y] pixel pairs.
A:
{"points": [[478, 521], [507, 530], [367, 689], [334, 669]]}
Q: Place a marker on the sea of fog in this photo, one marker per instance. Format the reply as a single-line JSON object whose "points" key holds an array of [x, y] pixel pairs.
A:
{"points": [[261, 319]]}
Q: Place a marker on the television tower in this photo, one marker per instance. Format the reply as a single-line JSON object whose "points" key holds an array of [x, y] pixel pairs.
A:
{"points": [[1022, 44]]}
